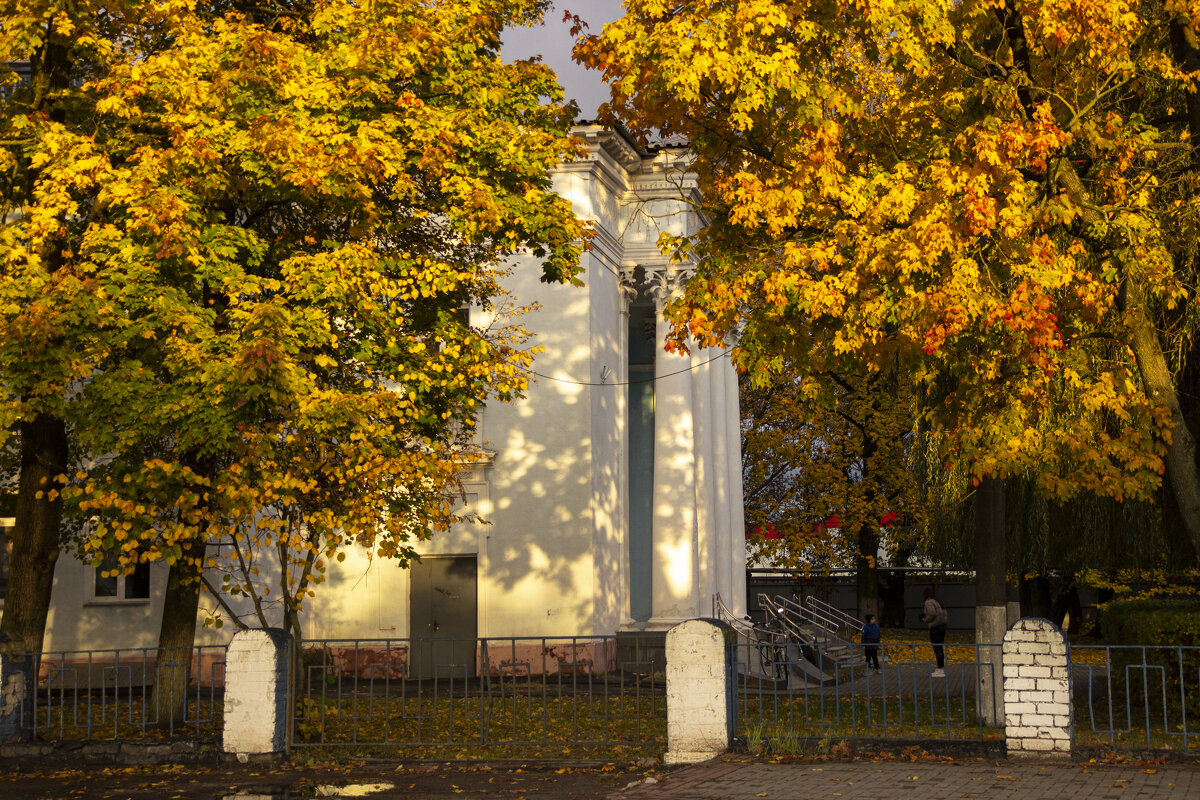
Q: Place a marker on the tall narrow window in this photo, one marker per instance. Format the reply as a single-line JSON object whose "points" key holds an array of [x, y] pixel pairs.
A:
{"points": [[641, 351]]}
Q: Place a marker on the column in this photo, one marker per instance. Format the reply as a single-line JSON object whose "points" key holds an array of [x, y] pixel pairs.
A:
{"points": [[732, 417], [18, 685], [674, 579], [709, 555], [718, 411], [700, 686], [1037, 691]]}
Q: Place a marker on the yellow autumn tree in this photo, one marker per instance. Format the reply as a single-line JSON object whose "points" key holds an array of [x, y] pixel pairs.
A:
{"points": [[238, 242], [1012, 221]]}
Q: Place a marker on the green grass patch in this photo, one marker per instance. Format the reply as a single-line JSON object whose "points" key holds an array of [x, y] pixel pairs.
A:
{"points": [[773, 722], [123, 718], [488, 726]]}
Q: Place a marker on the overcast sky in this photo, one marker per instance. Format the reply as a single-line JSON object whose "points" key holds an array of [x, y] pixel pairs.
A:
{"points": [[553, 42]]}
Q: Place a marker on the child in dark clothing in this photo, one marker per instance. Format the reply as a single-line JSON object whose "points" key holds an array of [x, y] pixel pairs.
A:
{"points": [[870, 640]]}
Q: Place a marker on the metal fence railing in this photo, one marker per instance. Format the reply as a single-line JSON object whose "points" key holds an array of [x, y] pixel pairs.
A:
{"points": [[1136, 696], [121, 695], [571, 696], [797, 691], [542, 696]]}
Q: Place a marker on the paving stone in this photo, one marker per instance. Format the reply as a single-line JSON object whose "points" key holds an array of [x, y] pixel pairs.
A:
{"points": [[933, 780]]}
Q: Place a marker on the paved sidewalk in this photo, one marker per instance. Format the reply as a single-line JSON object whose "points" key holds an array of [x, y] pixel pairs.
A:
{"points": [[920, 780]]}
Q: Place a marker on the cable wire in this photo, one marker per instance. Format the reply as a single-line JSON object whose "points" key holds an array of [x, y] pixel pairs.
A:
{"points": [[720, 355]]}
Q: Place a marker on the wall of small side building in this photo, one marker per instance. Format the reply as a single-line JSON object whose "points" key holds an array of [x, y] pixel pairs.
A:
{"points": [[358, 600]]}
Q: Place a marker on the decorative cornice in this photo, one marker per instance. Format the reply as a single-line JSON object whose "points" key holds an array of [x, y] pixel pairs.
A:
{"points": [[596, 165], [475, 455], [631, 176], [649, 257], [616, 146]]}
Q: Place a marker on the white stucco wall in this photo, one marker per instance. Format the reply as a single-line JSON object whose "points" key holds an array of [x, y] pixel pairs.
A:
{"points": [[78, 621], [361, 598], [539, 543]]}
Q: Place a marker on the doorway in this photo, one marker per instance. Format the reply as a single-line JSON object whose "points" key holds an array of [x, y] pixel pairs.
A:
{"points": [[443, 624]]}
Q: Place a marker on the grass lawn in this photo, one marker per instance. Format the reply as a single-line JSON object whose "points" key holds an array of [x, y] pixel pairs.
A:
{"points": [[918, 640], [772, 724], [76, 717], [487, 727]]}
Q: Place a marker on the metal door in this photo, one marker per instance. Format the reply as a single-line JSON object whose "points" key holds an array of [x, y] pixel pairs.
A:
{"points": [[443, 623]]}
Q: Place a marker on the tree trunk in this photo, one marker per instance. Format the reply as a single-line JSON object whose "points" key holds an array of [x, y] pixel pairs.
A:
{"points": [[1182, 470], [891, 597], [1067, 609], [867, 572], [1181, 452], [35, 538], [1035, 597], [1013, 591], [991, 596], [177, 638], [867, 566]]}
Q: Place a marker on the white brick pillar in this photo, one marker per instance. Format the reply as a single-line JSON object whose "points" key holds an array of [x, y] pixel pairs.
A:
{"points": [[257, 693], [700, 710], [1037, 690], [16, 709]]}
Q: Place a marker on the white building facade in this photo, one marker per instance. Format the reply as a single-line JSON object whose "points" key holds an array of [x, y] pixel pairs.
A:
{"points": [[612, 492]]}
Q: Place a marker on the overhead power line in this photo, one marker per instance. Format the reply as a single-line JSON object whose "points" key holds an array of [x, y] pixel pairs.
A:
{"points": [[571, 382]]}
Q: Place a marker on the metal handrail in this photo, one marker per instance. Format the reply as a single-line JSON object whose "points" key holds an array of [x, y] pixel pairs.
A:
{"points": [[722, 612], [776, 609], [832, 612], [807, 616]]}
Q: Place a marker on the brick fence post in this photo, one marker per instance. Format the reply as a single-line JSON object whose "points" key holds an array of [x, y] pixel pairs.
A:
{"points": [[700, 686], [257, 693], [16, 708], [1037, 690]]}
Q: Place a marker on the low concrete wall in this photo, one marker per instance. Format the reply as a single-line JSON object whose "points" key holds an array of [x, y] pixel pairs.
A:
{"points": [[75, 753]]}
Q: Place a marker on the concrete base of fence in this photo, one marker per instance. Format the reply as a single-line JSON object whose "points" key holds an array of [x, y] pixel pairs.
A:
{"points": [[71, 754], [16, 676], [257, 684], [700, 691], [1037, 691]]}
